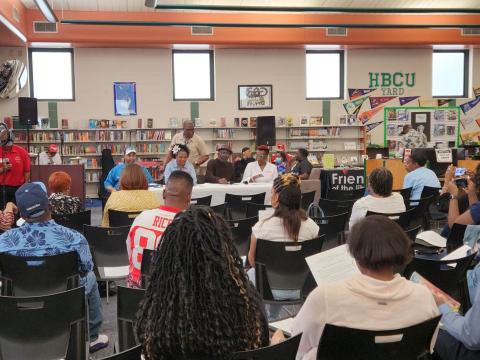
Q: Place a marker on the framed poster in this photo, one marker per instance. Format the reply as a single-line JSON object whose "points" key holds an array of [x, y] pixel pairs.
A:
{"points": [[125, 98], [255, 97]]}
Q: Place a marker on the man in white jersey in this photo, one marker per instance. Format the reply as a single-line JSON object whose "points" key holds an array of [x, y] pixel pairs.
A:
{"points": [[150, 225]]}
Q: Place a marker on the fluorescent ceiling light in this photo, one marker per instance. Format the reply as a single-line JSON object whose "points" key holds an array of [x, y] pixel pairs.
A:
{"points": [[46, 10], [448, 47], [51, 44], [12, 28], [191, 46], [323, 47]]}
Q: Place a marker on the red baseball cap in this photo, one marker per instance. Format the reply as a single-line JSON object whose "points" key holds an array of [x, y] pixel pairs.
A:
{"points": [[53, 148]]}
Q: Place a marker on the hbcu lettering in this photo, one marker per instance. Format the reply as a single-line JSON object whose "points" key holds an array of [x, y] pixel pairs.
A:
{"points": [[397, 79]]}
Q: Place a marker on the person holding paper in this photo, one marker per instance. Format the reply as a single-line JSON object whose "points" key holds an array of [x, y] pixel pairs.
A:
{"points": [[375, 299], [261, 170], [418, 175]]}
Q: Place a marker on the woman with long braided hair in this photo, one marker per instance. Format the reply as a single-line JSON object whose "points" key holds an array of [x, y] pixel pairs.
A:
{"points": [[199, 303]]}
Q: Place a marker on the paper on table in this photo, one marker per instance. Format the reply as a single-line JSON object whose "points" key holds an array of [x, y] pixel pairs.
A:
{"points": [[263, 214], [431, 238], [117, 271], [461, 252], [328, 161], [332, 265], [286, 325]]}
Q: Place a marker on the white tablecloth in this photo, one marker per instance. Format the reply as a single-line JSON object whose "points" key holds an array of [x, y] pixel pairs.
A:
{"points": [[218, 191]]}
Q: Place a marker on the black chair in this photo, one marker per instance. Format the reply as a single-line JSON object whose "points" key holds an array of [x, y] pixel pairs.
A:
{"points": [[242, 231], [334, 207], [74, 221], [38, 275], [406, 194], [419, 214], [333, 227], [109, 251], [413, 232], [128, 302], [345, 195], [402, 218], [207, 200], [455, 237], [236, 205], [307, 199], [134, 353], [145, 268], [219, 209], [253, 209], [121, 218], [44, 327], [282, 266], [341, 343], [286, 350], [433, 214]]}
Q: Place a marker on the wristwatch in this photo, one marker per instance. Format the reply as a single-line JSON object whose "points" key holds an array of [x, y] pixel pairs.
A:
{"points": [[453, 197]]}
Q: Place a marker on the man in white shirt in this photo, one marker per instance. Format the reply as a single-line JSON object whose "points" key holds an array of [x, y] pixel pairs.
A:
{"points": [[50, 157], [260, 171]]}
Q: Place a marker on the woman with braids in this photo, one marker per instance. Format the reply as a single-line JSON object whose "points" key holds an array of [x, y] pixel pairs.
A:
{"points": [[199, 303], [180, 154]]}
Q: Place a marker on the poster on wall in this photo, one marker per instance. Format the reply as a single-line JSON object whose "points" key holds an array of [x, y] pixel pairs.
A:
{"points": [[125, 98], [255, 97]]}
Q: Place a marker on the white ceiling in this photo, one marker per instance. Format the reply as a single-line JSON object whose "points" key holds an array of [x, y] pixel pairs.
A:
{"points": [[139, 5]]}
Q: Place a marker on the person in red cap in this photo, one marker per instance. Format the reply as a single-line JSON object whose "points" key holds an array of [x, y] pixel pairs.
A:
{"points": [[50, 157]]}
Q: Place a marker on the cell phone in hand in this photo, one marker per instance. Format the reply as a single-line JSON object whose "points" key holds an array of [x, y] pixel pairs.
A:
{"points": [[461, 183], [460, 172]]}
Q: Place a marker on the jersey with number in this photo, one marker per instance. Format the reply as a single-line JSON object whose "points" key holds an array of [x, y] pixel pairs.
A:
{"points": [[145, 233]]}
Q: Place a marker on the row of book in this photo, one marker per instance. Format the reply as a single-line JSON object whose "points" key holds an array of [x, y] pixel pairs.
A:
{"points": [[93, 149], [37, 136], [92, 176], [143, 135], [152, 148], [333, 131], [102, 135]]}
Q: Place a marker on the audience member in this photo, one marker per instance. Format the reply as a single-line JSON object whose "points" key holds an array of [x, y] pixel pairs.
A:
{"points": [[133, 195], [61, 203], [381, 199], [220, 170], [302, 167], [149, 226], [241, 164], [199, 303], [180, 154], [376, 298], [261, 170], [112, 183], [418, 175], [40, 236], [281, 162], [50, 157], [7, 216]]}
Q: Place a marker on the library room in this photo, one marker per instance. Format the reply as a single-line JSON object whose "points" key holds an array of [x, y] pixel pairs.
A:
{"points": [[231, 179]]}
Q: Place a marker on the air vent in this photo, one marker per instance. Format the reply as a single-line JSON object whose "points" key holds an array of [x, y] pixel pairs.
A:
{"points": [[44, 27], [202, 30], [470, 32], [336, 31], [15, 14]]}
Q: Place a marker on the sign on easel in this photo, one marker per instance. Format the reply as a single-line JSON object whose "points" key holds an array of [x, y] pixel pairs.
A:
{"points": [[444, 155]]}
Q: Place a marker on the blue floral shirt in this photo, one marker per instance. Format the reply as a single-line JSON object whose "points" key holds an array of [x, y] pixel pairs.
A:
{"points": [[46, 238]]}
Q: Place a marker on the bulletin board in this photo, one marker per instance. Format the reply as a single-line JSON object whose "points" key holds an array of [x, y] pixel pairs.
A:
{"points": [[441, 125]]}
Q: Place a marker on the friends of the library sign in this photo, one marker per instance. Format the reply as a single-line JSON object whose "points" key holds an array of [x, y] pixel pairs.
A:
{"points": [[392, 84]]}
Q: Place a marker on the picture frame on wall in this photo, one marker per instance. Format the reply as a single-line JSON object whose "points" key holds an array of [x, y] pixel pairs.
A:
{"points": [[256, 97], [125, 98]]}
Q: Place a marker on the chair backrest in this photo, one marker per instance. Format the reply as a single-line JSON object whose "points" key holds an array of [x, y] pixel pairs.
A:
{"points": [[46, 327], [413, 232], [341, 343], [307, 199], [128, 302], [219, 209], [74, 221], [417, 216], [429, 191], [455, 238], [333, 207], [109, 250], [406, 194], [286, 350], [206, 200], [134, 353], [253, 209], [402, 218], [241, 232], [345, 195], [38, 275], [315, 174], [121, 218], [237, 204], [282, 266], [331, 226], [146, 266]]}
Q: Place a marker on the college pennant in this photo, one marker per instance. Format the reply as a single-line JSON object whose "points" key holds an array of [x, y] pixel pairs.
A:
{"points": [[356, 93], [370, 127], [379, 100], [469, 105], [406, 99], [369, 114], [448, 102], [352, 106]]}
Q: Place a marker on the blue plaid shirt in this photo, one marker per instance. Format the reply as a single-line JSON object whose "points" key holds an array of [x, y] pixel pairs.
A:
{"points": [[46, 238]]}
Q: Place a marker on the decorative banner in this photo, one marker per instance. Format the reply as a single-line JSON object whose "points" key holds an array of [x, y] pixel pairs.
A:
{"points": [[469, 105], [356, 112], [367, 115], [351, 106], [442, 102], [407, 99], [356, 93], [125, 98], [372, 126], [476, 91], [379, 100]]}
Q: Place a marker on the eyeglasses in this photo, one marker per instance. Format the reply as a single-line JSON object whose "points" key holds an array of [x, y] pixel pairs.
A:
{"points": [[261, 156]]}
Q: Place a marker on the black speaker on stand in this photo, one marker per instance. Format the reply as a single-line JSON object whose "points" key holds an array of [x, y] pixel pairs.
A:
{"points": [[28, 114], [266, 132]]}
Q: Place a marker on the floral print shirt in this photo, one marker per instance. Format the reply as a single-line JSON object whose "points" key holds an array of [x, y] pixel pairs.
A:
{"points": [[61, 204], [46, 238], [414, 139]]}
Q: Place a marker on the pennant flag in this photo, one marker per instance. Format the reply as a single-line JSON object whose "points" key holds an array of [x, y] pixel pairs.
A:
{"points": [[351, 106], [372, 126], [369, 114], [469, 105], [407, 99], [356, 93], [357, 111], [379, 100], [449, 102]]}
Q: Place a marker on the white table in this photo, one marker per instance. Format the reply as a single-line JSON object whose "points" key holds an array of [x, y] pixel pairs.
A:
{"points": [[218, 191]]}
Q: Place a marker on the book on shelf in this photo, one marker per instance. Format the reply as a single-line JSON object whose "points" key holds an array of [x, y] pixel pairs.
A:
{"points": [[197, 122], [253, 121], [236, 122], [316, 120], [139, 123], [173, 121], [223, 121], [244, 122], [149, 123], [350, 145], [281, 121], [212, 123], [64, 124], [304, 120]]}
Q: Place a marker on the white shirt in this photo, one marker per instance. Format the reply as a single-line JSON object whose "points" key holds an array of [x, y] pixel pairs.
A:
{"points": [[385, 205], [269, 172], [272, 229], [45, 159]]}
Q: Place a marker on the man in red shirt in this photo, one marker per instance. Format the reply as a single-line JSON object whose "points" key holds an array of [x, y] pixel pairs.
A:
{"points": [[150, 225], [14, 168]]}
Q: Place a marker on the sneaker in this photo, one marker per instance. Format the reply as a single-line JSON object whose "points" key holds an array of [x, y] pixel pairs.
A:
{"points": [[100, 343]]}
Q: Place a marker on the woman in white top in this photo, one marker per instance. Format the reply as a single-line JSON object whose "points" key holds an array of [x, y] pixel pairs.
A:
{"points": [[374, 299], [260, 171], [381, 198]]}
